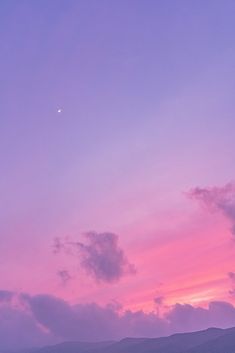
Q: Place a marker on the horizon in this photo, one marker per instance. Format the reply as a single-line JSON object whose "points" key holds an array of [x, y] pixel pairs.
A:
{"points": [[113, 342], [149, 338], [117, 140]]}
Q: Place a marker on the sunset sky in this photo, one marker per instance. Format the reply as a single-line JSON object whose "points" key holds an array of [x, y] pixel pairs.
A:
{"points": [[117, 152]]}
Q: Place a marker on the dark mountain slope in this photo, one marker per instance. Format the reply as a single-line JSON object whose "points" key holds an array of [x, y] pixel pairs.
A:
{"points": [[74, 347], [212, 340], [177, 343], [222, 344]]}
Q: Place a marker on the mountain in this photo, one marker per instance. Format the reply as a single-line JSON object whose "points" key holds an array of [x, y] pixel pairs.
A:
{"points": [[212, 340], [74, 347], [222, 344]]}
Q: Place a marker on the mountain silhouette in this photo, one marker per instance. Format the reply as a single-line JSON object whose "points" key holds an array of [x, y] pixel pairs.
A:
{"points": [[212, 340]]}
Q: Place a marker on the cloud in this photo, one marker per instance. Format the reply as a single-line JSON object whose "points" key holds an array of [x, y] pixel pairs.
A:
{"points": [[64, 276], [220, 199], [6, 296], [231, 276], [91, 322], [70, 322], [19, 330], [188, 318], [99, 255], [60, 245], [57, 245], [47, 319], [159, 300]]}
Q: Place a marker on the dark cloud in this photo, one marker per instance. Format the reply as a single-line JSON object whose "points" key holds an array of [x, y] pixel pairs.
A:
{"points": [[74, 322], [54, 314], [64, 276], [46, 319], [188, 318], [159, 300], [19, 329], [218, 199], [231, 275], [102, 257], [92, 322], [99, 255]]}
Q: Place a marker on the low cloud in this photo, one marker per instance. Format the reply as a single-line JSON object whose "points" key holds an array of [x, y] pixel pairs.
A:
{"points": [[220, 199], [19, 329], [100, 255], [6, 296], [188, 318], [46, 319]]}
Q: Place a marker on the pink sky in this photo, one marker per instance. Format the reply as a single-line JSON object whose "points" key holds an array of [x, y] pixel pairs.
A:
{"points": [[141, 156]]}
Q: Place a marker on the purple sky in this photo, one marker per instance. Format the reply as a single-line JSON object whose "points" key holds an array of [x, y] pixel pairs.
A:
{"points": [[120, 208]]}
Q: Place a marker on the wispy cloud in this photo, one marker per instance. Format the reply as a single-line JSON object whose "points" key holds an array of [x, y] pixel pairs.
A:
{"points": [[220, 199]]}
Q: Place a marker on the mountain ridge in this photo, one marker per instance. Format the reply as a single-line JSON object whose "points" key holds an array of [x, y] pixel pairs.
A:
{"points": [[211, 340]]}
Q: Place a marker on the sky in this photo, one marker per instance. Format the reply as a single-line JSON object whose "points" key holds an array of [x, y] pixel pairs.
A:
{"points": [[117, 183]]}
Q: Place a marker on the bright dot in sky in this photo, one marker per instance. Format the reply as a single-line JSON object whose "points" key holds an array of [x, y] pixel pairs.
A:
{"points": [[59, 111]]}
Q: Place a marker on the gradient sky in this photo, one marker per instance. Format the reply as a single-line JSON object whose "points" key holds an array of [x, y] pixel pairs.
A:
{"points": [[142, 154]]}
